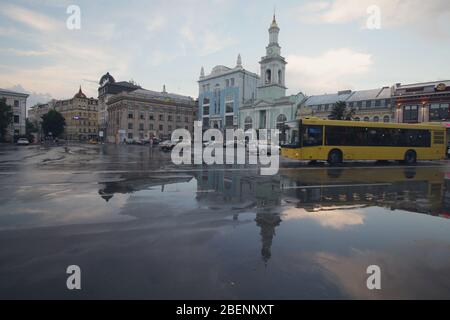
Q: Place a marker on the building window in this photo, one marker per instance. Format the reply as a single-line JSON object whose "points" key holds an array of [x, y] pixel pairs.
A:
{"points": [[169, 118], [178, 118], [376, 119], [161, 117], [359, 104], [206, 122], [169, 128], [229, 107], [377, 103], [16, 103], [16, 119], [232, 82], [141, 116], [227, 83], [357, 119], [151, 126], [130, 135], [186, 119], [130, 126], [130, 116], [141, 126], [386, 119], [248, 123], [439, 112], [280, 77], [206, 110], [161, 127], [366, 119], [411, 113], [151, 117], [229, 121]]}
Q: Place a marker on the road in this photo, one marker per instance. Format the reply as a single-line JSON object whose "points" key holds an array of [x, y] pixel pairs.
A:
{"points": [[139, 226]]}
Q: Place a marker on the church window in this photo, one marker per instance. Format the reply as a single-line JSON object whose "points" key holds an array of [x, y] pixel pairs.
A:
{"points": [[268, 76]]}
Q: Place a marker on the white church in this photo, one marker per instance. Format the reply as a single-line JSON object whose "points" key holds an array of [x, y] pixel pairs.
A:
{"points": [[271, 107]]}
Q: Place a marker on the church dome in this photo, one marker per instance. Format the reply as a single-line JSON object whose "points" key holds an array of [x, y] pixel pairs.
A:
{"points": [[107, 78], [80, 94]]}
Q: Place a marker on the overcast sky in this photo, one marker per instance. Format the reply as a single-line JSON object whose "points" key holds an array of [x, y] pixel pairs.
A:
{"points": [[327, 43]]}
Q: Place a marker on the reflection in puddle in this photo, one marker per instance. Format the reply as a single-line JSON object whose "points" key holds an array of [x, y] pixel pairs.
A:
{"points": [[304, 233]]}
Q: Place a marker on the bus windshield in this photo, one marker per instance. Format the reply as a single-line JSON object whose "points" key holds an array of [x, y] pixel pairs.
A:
{"points": [[291, 134]]}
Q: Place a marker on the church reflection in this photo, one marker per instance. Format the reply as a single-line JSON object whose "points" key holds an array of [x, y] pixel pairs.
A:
{"points": [[243, 192], [234, 193]]}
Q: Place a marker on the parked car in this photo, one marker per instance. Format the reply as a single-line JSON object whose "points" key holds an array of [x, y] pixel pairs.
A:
{"points": [[167, 145], [23, 142]]}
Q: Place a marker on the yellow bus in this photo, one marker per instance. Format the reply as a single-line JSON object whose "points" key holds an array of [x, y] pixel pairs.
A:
{"points": [[335, 141]]}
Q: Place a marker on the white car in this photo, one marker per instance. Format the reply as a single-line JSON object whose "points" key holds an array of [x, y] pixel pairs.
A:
{"points": [[262, 147], [167, 145], [23, 142]]}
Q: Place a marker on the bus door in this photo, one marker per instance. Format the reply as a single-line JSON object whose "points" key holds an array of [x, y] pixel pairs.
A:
{"points": [[312, 142]]}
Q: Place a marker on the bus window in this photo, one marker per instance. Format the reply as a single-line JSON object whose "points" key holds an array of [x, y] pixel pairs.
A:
{"points": [[312, 135]]}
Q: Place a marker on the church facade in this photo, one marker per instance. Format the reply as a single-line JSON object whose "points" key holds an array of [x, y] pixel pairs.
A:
{"points": [[271, 108]]}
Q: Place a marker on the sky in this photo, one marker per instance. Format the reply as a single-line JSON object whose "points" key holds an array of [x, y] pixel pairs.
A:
{"points": [[329, 45]]}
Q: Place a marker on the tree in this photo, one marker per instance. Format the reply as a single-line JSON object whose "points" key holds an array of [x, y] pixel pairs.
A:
{"points": [[53, 122], [6, 116], [341, 112], [30, 128]]}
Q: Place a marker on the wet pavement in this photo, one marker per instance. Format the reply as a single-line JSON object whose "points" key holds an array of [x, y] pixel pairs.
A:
{"points": [[140, 227]]}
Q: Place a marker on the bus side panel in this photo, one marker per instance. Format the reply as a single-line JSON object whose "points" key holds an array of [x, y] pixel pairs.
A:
{"points": [[382, 153]]}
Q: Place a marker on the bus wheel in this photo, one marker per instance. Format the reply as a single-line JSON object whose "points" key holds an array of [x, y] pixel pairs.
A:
{"points": [[410, 157], [335, 157]]}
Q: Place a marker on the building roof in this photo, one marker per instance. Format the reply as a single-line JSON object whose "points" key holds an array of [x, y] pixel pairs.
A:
{"points": [[4, 91], [220, 70], [144, 94], [422, 84], [107, 77], [80, 94], [372, 94], [349, 96], [327, 98]]}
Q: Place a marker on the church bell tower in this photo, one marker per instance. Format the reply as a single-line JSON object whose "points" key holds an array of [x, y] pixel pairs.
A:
{"points": [[273, 67]]}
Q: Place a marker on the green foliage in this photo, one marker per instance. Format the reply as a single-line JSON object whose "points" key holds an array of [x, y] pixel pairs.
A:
{"points": [[30, 129], [341, 112], [6, 116], [53, 122]]}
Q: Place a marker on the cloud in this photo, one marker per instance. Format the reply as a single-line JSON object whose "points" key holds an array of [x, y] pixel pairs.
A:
{"points": [[329, 71], [34, 97], [335, 219], [30, 18], [414, 13], [205, 41], [24, 53], [156, 22]]}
